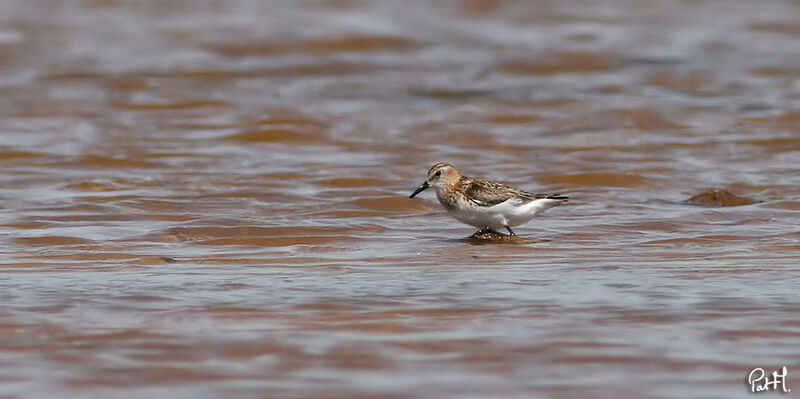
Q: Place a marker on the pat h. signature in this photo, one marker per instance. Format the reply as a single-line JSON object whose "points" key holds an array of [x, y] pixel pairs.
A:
{"points": [[759, 381]]}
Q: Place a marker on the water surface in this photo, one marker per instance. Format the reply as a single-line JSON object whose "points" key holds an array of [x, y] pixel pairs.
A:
{"points": [[209, 199]]}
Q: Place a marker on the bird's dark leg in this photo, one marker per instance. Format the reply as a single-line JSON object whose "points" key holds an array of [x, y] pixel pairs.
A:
{"points": [[510, 232]]}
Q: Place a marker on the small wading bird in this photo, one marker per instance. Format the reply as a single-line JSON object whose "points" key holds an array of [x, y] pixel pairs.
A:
{"points": [[487, 205]]}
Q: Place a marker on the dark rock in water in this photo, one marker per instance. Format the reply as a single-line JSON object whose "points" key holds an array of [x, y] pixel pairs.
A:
{"points": [[719, 198], [494, 237]]}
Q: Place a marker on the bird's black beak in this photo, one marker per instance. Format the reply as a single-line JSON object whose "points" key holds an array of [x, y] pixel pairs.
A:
{"points": [[420, 189]]}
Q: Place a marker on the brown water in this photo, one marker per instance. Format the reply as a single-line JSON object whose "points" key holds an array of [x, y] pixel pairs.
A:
{"points": [[209, 199]]}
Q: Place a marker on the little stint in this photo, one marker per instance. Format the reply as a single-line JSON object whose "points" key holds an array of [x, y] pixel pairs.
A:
{"points": [[485, 204]]}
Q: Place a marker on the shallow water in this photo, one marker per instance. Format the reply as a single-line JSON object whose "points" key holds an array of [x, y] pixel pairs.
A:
{"points": [[209, 199]]}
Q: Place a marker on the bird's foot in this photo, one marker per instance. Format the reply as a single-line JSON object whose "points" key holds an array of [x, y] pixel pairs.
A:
{"points": [[484, 231]]}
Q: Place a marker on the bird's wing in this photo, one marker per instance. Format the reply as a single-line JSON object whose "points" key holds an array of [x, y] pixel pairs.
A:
{"points": [[489, 193]]}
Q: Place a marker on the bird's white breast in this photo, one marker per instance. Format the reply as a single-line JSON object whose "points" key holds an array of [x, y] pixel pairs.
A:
{"points": [[513, 212]]}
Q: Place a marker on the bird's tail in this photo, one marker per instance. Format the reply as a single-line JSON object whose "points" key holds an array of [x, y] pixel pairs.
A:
{"points": [[561, 197]]}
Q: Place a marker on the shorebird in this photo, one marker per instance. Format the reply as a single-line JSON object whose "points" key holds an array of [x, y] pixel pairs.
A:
{"points": [[485, 204]]}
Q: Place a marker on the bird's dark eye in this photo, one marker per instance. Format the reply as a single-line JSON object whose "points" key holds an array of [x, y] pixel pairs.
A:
{"points": [[438, 173]]}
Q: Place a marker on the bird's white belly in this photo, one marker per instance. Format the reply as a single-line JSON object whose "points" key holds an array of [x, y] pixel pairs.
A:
{"points": [[479, 218], [510, 213]]}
